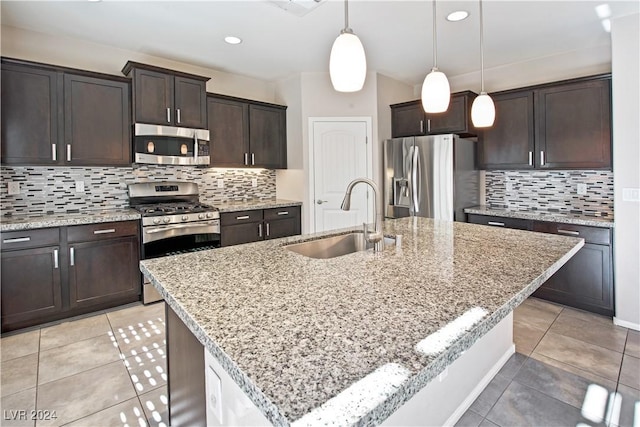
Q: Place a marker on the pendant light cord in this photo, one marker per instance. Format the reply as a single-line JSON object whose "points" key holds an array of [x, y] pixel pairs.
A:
{"points": [[435, 39], [346, 17], [481, 51]]}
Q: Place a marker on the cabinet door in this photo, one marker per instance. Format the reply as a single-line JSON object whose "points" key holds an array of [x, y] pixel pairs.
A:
{"points": [[241, 233], [190, 98], [509, 143], [31, 115], [275, 229], [267, 137], [103, 271], [97, 124], [408, 119], [584, 282], [31, 287], [574, 125], [229, 132], [455, 119], [153, 97]]}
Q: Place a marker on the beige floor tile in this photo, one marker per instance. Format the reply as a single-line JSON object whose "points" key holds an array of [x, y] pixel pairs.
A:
{"points": [[139, 328], [601, 361], [585, 315], [133, 315], [148, 370], [535, 314], [526, 337], [70, 359], [633, 344], [18, 374], [19, 345], [630, 372], [610, 384], [155, 405], [126, 413], [544, 305], [16, 408], [73, 331], [85, 393], [584, 328]]}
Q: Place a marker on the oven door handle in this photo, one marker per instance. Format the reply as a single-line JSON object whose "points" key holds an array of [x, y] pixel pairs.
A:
{"points": [[178, 227]]}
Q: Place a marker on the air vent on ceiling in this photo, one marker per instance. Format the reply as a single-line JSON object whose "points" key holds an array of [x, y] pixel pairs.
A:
{"points": [[297, 7]]}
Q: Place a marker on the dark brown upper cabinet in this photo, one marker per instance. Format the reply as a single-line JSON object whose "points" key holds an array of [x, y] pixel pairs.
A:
{"points": [[409, 118], [561, 125], [167, 97], [246, 133], [62, 116]]}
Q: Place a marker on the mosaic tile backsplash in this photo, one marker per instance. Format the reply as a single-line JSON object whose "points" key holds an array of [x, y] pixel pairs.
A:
{"points": [[52, 189], [551, 191]]}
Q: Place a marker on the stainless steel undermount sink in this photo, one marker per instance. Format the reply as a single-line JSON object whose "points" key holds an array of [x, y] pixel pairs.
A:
{"points": [[335, 246]]}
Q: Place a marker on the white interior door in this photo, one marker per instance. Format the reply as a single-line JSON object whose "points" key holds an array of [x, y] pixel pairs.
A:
{"points": [[340, 154]]}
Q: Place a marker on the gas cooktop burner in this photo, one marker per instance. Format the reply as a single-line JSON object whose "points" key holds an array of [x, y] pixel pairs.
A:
{"points": [[172, 208]]}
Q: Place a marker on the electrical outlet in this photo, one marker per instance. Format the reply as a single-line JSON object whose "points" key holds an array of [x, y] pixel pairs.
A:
{"points": [[582, 189], [221, 183], [254, 182], [631, 194], [509, 186], [13, 188], [79, 186]]}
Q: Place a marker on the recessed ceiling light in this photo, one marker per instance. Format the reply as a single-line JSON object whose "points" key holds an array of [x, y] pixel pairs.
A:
{"points": [[233, 40], [458, 15]]}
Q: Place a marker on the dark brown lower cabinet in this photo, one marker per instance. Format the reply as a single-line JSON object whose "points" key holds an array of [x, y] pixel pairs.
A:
{"points": [[186, 369], [255, 225], [54, 273], [586, 280]]}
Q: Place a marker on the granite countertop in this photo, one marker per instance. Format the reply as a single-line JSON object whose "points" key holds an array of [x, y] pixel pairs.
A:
{"points": [[245, 205], [593, 220], [294, 332], [33, 221]]}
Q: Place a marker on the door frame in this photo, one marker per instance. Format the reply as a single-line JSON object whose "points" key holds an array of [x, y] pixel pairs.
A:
{"points": [[311, 170]]}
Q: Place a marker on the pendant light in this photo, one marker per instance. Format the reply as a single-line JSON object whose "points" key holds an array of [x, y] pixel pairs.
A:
{"points": [[347, 63], [483, 112], [436, 92]]}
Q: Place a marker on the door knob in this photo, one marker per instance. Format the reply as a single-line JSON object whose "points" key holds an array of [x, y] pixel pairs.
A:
{"points": [[321, 201]]}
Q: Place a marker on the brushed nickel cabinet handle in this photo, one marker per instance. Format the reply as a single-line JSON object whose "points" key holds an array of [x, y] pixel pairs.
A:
{"points": [[260, 230], [68, 152], [178, 115], [253, 159], [54, 152], [283, 213], [530, 158], [17, 240], [267, 229], [106, 231], [541, 158], [242, 217], [72, 257], [421, 126], [168, 115], [55, 258], [569, 232], [429, 125], [246, 159], [498, 224]]}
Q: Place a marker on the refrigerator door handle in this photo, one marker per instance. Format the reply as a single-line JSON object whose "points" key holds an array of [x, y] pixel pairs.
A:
{"points": [[415, 182]]}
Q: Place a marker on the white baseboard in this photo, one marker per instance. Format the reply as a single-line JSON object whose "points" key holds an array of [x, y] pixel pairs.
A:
{"points": [[457, 414], [626, 324]]}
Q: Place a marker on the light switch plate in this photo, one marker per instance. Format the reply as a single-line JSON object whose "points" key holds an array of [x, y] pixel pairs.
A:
{"points": [[631, 194], [221, 183], [509, 186], [214, 394], [79, 186], [13, 188], [582, 189], [254, 182]]}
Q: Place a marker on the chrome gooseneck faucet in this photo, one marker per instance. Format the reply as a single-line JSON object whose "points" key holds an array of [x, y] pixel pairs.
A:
{"points": [[375, 237]]}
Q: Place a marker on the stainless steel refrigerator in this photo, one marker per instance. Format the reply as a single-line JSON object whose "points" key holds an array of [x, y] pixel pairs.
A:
{"points": [[430, 176]]}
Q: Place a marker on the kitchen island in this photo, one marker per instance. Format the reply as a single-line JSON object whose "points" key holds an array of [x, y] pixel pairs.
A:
{"points": [[298, 335]]}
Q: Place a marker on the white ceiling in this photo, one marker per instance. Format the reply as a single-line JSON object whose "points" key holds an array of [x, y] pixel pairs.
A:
{"points": [[397, 34]]}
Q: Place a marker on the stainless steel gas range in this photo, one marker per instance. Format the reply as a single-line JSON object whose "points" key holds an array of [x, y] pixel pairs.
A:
{"points": [[173, 222]]}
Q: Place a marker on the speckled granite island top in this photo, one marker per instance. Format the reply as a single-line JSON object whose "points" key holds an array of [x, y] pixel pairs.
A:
{"points": [[33, 221], [538, 215], [246, 205], [294, 332]]}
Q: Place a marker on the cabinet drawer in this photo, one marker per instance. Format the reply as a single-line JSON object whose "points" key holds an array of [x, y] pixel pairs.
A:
{"points": [[105, 230], [281, 213], [241, 217], [496, 221], [599, 236], [30, 238]]}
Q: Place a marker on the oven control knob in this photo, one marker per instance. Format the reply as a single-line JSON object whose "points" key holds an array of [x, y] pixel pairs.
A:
{"points": [[201, 216], [209, 214], [184, 217], [156, 221], [166, 220]]}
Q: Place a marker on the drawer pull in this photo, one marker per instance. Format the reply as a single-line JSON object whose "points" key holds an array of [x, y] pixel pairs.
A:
{"points": [[569, 232], [242, 217], [283, 213], [17, 240], [106, 231], [55, 258], [499, 224]]}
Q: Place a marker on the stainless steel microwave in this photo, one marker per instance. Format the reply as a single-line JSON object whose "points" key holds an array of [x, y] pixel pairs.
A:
{"points": [[169, 145]]}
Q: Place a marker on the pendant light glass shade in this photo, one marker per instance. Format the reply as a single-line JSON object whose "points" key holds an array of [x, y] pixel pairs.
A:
{"points": [[347, 63], [436, 92], [483, 112]]}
